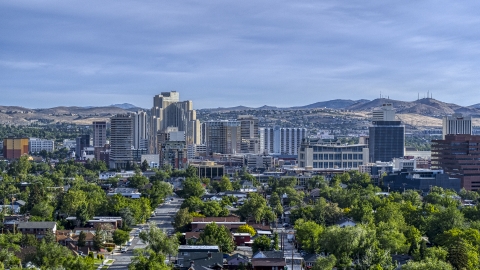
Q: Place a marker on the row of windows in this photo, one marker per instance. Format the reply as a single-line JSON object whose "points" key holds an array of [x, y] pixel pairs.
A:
{"points": [[337, 156], [337, 149], [337, 164]]}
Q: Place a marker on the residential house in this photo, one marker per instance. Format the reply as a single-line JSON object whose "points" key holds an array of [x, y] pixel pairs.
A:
{"points": [[236, 260], [10, 209], [241, 238], [268, 263], [66, 237], [39, 229], [199, 257], [345, 222], [310, 259]]}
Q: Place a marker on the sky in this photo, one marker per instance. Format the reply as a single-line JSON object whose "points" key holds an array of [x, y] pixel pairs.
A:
{"points": [[227, 53]]}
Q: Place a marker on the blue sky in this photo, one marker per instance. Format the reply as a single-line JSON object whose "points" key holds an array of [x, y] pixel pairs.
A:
{"points": [[225, 53]]}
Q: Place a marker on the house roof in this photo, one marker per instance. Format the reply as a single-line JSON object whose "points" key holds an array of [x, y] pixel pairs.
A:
{"points": [[37, 225], [216, 219], [269, 254], [237, 256], [189, 235], [268, 262], [310, 257], [198, 248], [20, 202]]}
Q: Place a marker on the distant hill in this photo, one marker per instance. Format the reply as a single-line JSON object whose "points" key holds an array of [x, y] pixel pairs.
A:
{"points": [[125, 106], [333, 104]]}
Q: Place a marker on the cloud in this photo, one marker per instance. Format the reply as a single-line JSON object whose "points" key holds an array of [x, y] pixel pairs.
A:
{"points": [[252, 53]]}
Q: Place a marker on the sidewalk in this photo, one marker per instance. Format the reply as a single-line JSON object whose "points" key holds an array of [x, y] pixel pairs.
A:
{"points": [[106, 264]]}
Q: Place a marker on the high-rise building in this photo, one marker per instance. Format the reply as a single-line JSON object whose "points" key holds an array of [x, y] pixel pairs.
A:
{"points": [[386, 139], [385, 113], [140, 136], [172, 148], [169, 111], [457, 124], [223, 137], [14, 148], [250, 139], [121, 140], [459, 156], [284, 141], [99, 133], [83, 141]]}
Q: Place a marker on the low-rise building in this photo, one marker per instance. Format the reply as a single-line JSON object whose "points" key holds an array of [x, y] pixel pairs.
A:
{"points": [[36, 145], [37, 228], [199, 257]]}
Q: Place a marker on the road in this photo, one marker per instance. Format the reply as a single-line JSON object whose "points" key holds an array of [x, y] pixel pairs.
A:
{"points": [[165, 214]]}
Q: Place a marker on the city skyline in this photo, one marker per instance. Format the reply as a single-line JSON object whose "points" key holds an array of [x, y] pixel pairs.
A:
{"points": [[228, 54]]}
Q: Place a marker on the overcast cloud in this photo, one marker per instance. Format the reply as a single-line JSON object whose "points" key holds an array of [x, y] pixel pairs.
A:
{"points": [[227, 53]]}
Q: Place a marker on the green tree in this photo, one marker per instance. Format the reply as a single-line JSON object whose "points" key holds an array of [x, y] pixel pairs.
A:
{"points": [[217, 235], [144, 167], [120, 237], [98, 240], [43, 210], [182, 219], [138, 181], [192, 187], [308, 235], [427, 264], [225, 184], [324, 263], [214, 209], [255, 207], [193, 204], [81, 239], [158, 241], [147, 260], [261, 243]]}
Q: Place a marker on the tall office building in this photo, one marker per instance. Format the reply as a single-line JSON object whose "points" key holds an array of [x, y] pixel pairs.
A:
{"points": [[386, 136], [385, 113], [284, 141], [121, 140], [169, 111], [250, 140], [99, 133], [140, 136], [457, 124], [223, 137], [172, 148], [459, 156], [82, 142]]}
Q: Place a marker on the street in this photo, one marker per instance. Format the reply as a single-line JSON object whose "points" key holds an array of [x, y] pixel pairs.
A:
{"points": [[165, 214]]}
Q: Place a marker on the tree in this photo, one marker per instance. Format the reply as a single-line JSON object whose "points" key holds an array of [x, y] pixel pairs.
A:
{"points": [[158, 192], [147, 260], [127, 217], [120, 237], [194, 204], [255, 207], [442, 221], [217, 235], [323, 263], [275, 241], [43, 210], [182, 219], [213, 209], [98, 240], [246, 229], [158, 241], [261, 243], [138, 181], [427, 264], [225, 184], [192, 187], [308, 235], [144, 167], [81, 239]]}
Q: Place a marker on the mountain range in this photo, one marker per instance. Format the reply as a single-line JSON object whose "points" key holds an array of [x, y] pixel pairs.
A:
{"points": [[85, 115]]}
